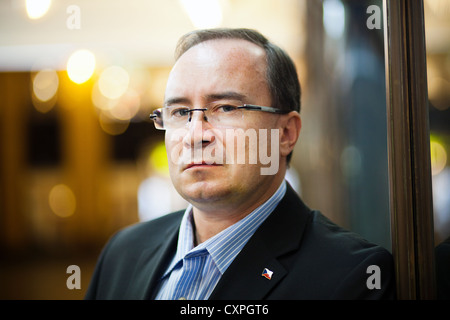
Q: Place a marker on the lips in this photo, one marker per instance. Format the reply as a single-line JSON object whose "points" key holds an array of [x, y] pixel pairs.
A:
{"points": [[200, 165]]}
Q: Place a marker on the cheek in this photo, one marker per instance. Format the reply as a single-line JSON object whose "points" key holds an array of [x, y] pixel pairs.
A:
{"points": [[172, 155], [174, 146], [243, 145]]}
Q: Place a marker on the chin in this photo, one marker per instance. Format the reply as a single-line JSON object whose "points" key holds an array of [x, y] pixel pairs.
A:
{"points": [[205, 191]]}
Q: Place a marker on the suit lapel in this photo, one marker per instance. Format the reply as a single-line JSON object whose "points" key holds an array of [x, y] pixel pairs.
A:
{"points": [[151, 265], [279, 234]]}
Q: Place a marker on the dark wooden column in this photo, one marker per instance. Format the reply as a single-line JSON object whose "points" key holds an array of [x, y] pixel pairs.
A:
{"points": [[409, 149]]}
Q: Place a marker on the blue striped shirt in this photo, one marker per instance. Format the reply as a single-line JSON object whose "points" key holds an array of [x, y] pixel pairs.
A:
{"points": [[195, 271]]}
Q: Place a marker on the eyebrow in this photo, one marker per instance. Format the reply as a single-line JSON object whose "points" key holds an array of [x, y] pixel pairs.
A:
{"points": [[227, 95], [230, 95], [177, 100]]}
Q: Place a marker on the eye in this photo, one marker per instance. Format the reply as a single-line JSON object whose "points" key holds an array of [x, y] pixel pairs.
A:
{"points": [[226, 108], [179, 112]]}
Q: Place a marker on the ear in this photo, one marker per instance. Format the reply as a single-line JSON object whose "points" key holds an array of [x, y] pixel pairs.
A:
{"points": [[290, 127]]}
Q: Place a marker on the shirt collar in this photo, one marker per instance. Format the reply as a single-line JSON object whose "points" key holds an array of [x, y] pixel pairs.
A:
{"points": [[226, 245]]}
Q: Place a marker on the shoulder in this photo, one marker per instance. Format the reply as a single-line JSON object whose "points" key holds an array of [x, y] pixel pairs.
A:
{"points": [[348, 260], [146, 232], [132, 240], [337, 237], [341, 245], [119, 260], [321, 239]]}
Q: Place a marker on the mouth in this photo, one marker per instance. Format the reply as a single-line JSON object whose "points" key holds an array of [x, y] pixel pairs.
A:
{"points": [[203, 164]]}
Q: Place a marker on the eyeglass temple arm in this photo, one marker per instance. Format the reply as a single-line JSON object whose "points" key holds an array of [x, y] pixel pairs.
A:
{"points": [[265, 109], [155, 114]]}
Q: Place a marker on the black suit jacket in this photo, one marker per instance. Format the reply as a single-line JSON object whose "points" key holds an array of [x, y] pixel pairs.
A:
{"points": [[311, 258]]}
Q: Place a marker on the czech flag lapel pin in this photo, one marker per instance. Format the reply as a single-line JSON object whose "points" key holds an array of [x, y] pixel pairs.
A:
{"points": [[267, 273]]}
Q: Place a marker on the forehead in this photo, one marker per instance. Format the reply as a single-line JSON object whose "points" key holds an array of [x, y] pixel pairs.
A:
{"points": [[225, 50], [221, 65]]}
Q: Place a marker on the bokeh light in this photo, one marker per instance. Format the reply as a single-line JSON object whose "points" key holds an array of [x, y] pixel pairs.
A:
{"points": [[81, 66], [62, 201], [113, 82], [37, 8], [439, 93], [438, 156], [334, 18], [45, 86], [127, 107], [112, 126], [158, 159], [100, 101]]}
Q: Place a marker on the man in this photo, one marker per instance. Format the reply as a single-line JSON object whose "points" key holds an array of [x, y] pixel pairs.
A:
{"points": [[246, 234]]}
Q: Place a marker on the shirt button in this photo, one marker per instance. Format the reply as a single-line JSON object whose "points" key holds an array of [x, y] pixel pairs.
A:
{"points": [[182, 298]]}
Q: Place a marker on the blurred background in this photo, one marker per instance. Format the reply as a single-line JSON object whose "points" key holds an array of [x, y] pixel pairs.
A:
{"points": [[79, 158]]}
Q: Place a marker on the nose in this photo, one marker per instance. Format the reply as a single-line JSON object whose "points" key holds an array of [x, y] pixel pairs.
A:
{"points": [[191, 114], [198, 135]]}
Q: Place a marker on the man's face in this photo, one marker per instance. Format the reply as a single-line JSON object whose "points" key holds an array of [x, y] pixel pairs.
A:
{"points": [[232, 71]]}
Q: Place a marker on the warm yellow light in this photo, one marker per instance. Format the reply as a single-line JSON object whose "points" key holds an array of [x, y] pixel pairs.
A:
{"points": [[100, 101], [438, 157], [62, 201], [37, 8], [45, 84], [158, 159], [203, 13], [113, 82], [123, 108], [81, 66]]}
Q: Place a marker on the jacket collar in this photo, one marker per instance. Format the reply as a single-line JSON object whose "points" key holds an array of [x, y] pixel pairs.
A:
{"points": [[152, 263], [279, 234]]}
